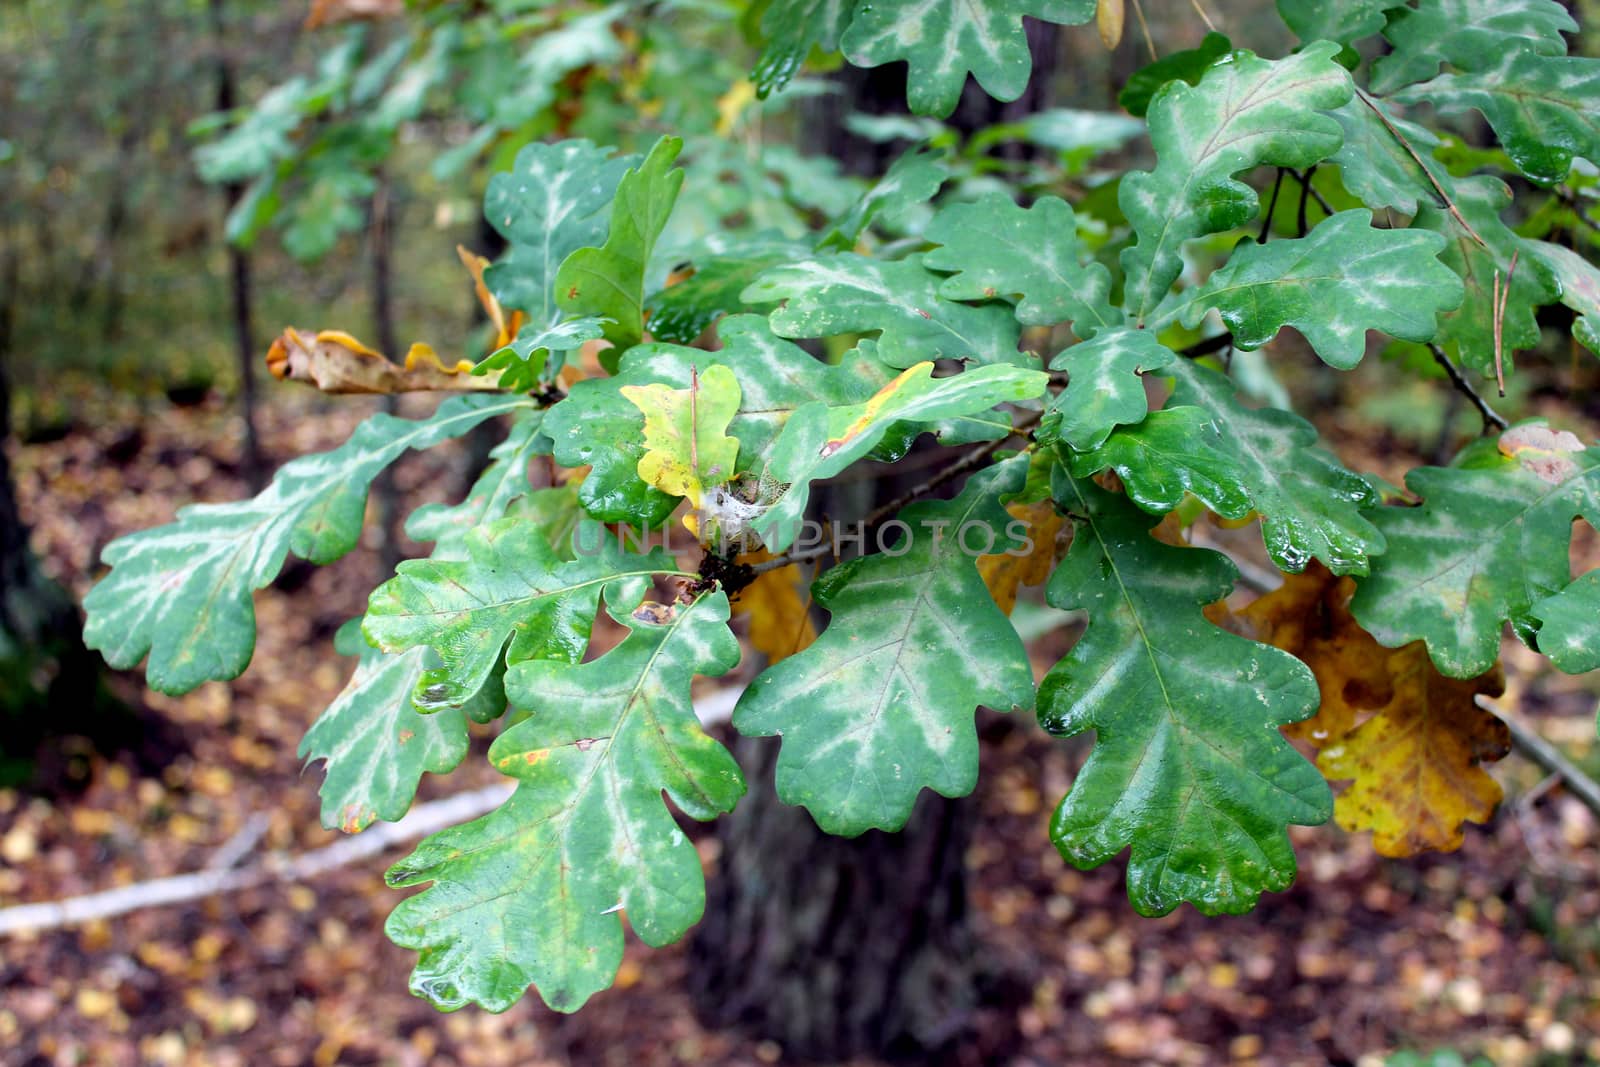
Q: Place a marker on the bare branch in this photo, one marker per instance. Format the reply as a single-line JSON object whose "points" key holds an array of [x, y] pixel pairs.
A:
{"points": [[217, 879], [1492, 419]]}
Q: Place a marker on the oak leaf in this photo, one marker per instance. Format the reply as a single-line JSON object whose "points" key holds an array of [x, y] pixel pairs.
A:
{"points": [[335, 362], [1411, 740], [1005, 573], [780, 617], [687, 446]]}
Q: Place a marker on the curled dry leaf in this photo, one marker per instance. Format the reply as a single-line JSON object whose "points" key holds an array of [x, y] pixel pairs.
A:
{"points": [[1411, 741], [336, 362], [331, 12], [1108, 17], [505, 326]]}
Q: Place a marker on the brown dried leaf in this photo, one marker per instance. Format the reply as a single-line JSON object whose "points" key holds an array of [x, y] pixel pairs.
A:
{"points": [[336, 362], [1411, 741], [331, 12], [505, 329], [1005, 574]]}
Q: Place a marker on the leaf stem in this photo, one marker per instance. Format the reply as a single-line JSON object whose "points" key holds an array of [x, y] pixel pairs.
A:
{"points": [[1535, 748], [1491, 418], [970, 461], [1444, 197]]}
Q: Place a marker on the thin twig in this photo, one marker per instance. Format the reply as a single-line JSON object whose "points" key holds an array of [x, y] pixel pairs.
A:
{"points": [[1533, 746], [234, 850], [1272, 206], [1568, 197], [1308, 190], [1207, 346], [1144, 27], [1444, 197], [1212, 26], [1503, 297], [1491, 417], [971, 461], [422, 820]]}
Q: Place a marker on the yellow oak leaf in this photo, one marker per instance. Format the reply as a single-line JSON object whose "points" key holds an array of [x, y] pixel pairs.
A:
{"points": [[780, 619], [687, 448], [505, 326], [1410, 741], [1416, 763]]}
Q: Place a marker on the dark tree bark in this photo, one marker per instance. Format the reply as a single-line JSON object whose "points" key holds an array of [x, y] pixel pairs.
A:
{"points": [[835, 947], [381, 238], [51, 686], [241, 287]]}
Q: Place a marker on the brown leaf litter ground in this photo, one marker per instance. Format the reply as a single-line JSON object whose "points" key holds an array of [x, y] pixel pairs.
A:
{"points": [[1493, 950]]}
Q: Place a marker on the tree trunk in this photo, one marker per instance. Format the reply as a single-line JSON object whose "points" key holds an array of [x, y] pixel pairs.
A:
{"points": [[836, 947], [51, 686], [384, 492], [839, 947], [254, 467]]}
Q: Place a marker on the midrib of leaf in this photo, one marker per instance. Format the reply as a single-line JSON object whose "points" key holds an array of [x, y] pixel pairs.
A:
{"points": [[565, 812], [1174, 715], [542, 594], [1212, 146], [923, 600], [1515, 520]]}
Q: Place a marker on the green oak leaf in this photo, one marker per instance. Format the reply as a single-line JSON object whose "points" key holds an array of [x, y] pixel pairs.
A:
{"points": [[687, 447], [513, 598], [1346, 21], [1236, 460], [503, 482], [881, 705], [1489, 542], [914, 178], [1374, 163], [608, 281], [525, 362], [820, 441], [1104, 388], [943, 40], [1252, 111], [1469, 35], [1470, 328], [1188, 65], [376, 744], [792, 28], [1188, 768], [1333, 285], [598, 427], [182, 592], [998, 249], [848, 293], [1569, 625], [1579, 283], [550, 204], [1542, 108], [529, 894], [680, 313]]}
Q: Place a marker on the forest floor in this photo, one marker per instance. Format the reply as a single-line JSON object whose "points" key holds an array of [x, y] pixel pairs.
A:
{"points": [[1493, 950]]}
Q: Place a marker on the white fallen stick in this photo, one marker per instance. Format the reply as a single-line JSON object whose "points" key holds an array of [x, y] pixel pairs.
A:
{"points": [[419, 822]]}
